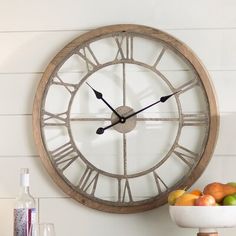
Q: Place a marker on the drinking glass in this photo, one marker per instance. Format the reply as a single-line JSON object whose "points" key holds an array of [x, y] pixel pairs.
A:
{"points": [[42, 229]]}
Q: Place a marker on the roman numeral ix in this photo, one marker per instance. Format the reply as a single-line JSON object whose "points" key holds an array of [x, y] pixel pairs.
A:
{"points": [[51, 119]]}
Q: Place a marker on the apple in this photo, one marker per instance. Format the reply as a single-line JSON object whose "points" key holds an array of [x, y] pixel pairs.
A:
{"points": [[230, 200], [205, 200]]}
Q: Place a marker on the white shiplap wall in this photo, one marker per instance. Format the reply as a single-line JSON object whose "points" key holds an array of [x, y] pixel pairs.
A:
{"points": [[31, 32]]}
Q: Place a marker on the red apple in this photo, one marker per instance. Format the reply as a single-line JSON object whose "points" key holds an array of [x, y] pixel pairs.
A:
{"points": [[205, 200]]}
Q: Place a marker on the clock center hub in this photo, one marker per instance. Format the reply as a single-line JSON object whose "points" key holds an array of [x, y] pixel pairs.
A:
{"points": [[125, 125]]}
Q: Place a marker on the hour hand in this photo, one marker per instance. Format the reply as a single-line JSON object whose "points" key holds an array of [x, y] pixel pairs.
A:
{"points": [[100, 96]]}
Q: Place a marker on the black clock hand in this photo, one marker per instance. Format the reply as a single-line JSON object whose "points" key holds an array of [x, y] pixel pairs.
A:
{"points": [[101, 130], [162, 99], [122, 120], [100, 96]]}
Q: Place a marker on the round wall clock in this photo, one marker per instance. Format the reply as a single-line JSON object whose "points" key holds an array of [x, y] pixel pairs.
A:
{"points": [[123, 115]]}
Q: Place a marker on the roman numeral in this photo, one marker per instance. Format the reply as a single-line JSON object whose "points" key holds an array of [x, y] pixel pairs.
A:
{"points": [[88, 181], [124, 191], [125, 44], [88, 57], [50, 119], [68, 86], [159, 183], [64, 156], [187, 156], [159, 57], [199, 119], [186, 86]]}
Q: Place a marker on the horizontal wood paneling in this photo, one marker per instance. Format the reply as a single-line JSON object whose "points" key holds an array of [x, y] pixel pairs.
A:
{"points": [[227, 131], [77, 219], [41, 184], [17, 137], [43, 187], [30, 52], [17, 91], [83, 14], [225, 84], [215, 171], [32, 32], [6, 216], [80, 219], [214, 47]]}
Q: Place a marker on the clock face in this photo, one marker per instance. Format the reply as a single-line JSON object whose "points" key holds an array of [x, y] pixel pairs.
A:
{"points": [[123, 115]]}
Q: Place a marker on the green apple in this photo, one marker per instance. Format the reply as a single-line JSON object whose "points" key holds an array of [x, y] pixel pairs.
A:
{"points": [[230, 200]]}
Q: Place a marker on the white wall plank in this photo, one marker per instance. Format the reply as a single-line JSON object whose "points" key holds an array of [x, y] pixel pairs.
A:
{"points": [[82, 216], [17, 91], [6, 216], [80, 219], [31, 52], [213, 47], [41, 184], [215, 171], [63, 14], [225, 84], [17, 137], [32, 32], [227, 135]]}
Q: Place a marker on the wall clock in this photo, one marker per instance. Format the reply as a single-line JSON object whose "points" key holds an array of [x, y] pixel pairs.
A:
{"points": [[123, 115]]}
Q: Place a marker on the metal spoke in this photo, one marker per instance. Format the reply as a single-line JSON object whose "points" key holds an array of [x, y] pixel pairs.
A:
{"points": [[138, 119], [125, 153], [90, 119], [157, 119], [124, 84]]}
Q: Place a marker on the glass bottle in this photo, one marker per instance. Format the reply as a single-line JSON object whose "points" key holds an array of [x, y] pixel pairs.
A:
{"points": [[24, 210]]}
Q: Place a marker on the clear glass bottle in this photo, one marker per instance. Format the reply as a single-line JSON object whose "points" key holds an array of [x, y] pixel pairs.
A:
{"points": [[25, 208]]}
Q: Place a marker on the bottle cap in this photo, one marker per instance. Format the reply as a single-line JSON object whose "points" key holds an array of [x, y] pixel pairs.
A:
{"points": [[24, 177]]}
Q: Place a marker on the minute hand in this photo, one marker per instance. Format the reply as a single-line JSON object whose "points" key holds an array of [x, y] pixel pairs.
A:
{"points": [[162, 99]]}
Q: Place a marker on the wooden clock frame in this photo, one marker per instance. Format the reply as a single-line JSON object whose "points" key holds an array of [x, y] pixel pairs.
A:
{"points": [[175, 45]]}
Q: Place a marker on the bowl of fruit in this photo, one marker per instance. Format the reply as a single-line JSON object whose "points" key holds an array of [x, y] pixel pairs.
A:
{"points": [[214, 207]]}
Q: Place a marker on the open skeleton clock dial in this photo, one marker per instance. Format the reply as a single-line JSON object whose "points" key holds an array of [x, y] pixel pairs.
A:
{"points": [[123, 115]]}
